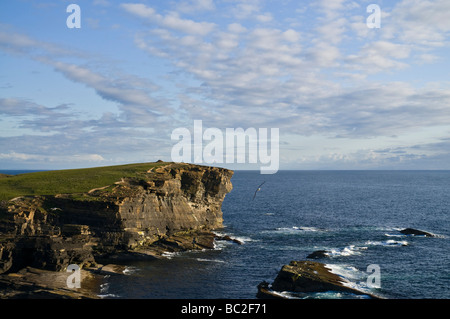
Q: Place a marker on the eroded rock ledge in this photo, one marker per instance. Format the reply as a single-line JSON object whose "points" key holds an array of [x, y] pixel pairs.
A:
{"points": [[172, 207]]}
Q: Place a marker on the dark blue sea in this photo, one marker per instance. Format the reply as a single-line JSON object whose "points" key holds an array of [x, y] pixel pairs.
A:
{"points": [[355, 215]]}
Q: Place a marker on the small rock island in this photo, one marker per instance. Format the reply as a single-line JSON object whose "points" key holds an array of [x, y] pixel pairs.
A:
{"points": [[299, 278]]}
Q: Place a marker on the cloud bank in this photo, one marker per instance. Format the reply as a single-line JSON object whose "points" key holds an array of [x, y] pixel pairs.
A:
{"points": [[314, 70]]}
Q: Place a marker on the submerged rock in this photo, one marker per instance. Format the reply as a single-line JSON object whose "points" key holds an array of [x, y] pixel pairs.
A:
{"points": [[318, 254], [306, 277], [416, 232], [229, 238]]}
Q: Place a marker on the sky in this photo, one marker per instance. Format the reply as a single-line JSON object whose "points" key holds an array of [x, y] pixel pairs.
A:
{"points": [[342, 94]]}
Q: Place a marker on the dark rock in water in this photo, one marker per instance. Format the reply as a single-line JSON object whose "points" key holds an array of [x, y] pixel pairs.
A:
{"points": [[228, 238], [265, 292], [416, 232], [318, 254], [306, 277]]}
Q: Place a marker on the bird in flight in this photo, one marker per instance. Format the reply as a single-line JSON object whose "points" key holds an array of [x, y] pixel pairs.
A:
{"points": [[258, 189]]}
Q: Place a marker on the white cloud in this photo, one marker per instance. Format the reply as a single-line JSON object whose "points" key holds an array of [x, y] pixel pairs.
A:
{"points": [[236, 28], [195, 6], [266, 17], [20, 107], [51, 158], [333, 31], [111, 89], [328, 75], [324, 55], [331, 9], [380, 56], [291, 36], [421, 22], [172, 20], [270, 76], [17, 43], [245, 9]]}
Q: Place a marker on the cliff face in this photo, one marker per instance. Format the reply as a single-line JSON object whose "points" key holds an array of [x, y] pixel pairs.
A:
{"points": [[171, 207]]}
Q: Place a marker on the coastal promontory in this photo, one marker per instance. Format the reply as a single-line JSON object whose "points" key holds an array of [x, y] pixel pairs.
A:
{"points": [[50, 220]]}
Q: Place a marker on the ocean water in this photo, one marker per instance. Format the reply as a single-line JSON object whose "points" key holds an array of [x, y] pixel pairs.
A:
{"points": [[355, 215]]}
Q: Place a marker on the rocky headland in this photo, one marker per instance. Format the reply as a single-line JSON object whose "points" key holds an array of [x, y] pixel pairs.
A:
{"points": [[168, 208]]}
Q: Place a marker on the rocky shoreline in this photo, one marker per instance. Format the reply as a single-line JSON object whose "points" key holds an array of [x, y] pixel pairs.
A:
{"points": [[300, 278], [169, 208]]}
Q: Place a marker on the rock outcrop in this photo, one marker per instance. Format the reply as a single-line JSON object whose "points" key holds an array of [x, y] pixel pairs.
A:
{"points": [[318, 254], [302, 277], [34, 283], [416, 232], [171, 207]]}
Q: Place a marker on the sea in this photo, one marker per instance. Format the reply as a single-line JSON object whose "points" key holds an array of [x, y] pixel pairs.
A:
{"points": [[356, 216]]}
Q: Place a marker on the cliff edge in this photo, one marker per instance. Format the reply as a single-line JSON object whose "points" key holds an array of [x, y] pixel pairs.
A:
{"points": [[167, 207]]}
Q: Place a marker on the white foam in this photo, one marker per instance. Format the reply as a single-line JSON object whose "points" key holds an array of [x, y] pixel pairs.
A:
{"points": [[210, 260], [108, 296], [169, 255], [241, 239], [337, 295], [129, 270], [345, 271], [346, 251], [307, 229], [394, 235], [104, 291], [286, 294], [388, 243], [353, 278], [219, 245], [296, 229]]}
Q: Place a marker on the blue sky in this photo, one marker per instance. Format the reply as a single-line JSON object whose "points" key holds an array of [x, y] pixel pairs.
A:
{"points": [[344, 96]]}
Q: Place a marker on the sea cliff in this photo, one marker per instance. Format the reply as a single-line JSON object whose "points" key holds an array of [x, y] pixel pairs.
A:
{"points": [[169, 207]]}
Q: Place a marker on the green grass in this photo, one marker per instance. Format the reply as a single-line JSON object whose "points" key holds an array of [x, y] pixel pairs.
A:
{"points": [[68, 181]]}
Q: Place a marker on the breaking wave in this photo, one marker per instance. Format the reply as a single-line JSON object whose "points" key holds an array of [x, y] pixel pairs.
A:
{"points": [[346, 251], [388, 243]]}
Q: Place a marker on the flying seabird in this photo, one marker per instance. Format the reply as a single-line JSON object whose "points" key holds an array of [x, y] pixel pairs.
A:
{"points": [[258, 189]]}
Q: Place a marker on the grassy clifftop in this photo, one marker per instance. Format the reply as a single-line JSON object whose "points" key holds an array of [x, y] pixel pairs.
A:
{"points": [[68, 181]]}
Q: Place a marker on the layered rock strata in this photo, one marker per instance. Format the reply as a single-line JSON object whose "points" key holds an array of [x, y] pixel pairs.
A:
{"points": [[173, 207]]}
